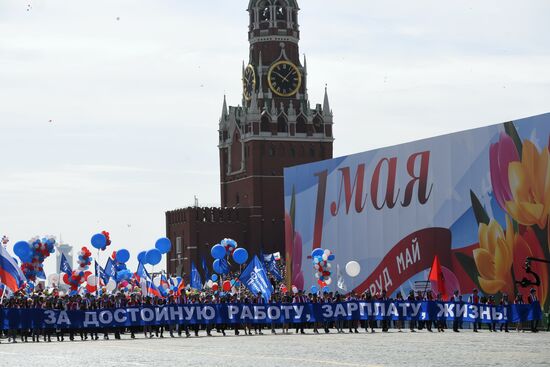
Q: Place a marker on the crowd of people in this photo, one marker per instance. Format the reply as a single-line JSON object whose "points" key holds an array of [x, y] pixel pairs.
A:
{"points": [[56, 300]]}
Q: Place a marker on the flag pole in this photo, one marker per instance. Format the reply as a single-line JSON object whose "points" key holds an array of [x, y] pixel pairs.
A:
{"points": [[3, 293]]}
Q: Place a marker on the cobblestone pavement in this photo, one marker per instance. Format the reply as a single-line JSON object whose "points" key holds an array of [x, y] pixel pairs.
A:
{"points": [[388, 349]]}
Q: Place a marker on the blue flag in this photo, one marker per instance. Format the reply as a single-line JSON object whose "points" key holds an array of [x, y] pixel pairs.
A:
{"points": [[272, 268], [100, 273], [146, 282], [196, 281], [142, 272], [64, 265], [254, 277], [205, 269], [110, 269]]}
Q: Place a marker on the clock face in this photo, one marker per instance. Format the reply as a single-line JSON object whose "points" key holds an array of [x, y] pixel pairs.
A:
{"points": [[284, 78], [249, 82]]}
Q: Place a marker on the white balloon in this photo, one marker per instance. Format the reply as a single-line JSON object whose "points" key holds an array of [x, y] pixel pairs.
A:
{"points": [[329, 266], [325, 257], [326, 252], [92, 280], [156, 282], [294, 290], [209, 283], [111, 286], [353, 269], [53, 279], [328, 281]]}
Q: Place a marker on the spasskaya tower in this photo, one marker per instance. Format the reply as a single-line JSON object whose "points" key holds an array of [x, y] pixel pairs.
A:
{"points": [[273, 127]]}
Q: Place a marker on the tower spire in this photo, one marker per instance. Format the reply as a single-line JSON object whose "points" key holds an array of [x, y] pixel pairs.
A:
{"points": [[326, 104], [224, 108]]}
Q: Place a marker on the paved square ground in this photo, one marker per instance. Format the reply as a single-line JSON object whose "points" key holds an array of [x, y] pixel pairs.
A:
{"points": [[361, 350]]}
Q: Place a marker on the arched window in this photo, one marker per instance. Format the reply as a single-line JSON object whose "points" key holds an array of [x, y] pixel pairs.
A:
{"points": [[280, 11], [264, 124], [265, 12], [301, 125], [318, 124], [282, 126]]}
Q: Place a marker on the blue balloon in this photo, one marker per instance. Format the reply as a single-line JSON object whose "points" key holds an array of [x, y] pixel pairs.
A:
{"points": [[214, 277], [240, 255], [141, 257], [317, 252], [163, 245], [331, 257], [153, 256], [99, 241], [218, 251], [23, 250], [122, 256], [216, 266], [326, 289], [314, 289], [125, 274]]}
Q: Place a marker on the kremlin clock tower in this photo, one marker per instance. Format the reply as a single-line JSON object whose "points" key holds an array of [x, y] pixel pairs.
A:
{"points": [[274, 127]]}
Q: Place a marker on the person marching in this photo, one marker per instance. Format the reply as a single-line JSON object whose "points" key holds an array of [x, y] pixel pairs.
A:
{"points": [[429, 297], [412, 298], [493, 324], [519, 301], [532, 298], [504, 303], [300, 298], [353, 324], [457, 299], [475, 299]]}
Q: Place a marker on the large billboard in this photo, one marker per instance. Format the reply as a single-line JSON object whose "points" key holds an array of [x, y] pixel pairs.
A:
{"points": [[478, 199]]}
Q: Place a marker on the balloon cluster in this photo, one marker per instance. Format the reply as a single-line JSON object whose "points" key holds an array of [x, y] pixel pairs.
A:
{"points": [[154, 256], [32, 255], [76, 278], [120, 258], [322, 266], [84, 259], [226, 285], [101, 240], [227, 248]]}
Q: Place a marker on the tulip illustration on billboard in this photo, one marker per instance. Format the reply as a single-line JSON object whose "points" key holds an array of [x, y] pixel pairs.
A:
{"points": [[520, 179]]}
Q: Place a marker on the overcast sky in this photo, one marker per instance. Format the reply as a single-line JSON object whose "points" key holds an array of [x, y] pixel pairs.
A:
{"points": [[134, 89]]}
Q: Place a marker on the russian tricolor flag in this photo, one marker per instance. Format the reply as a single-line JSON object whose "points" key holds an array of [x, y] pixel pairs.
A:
{"points": [[10, 274]]}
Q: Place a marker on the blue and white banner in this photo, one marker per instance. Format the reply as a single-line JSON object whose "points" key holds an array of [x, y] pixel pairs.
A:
{"points": [[64, 265], [272, 268], [110, 268], [192, 314], [254, 277], [196, 281]]}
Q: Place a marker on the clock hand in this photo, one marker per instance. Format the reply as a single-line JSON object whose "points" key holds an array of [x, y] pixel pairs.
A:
{"points": [[287, 75], [285, 79]]}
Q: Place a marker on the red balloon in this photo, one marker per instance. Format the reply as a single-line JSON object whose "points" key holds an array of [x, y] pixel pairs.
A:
{"points": [[321, 283], [86, 274], [66, 278], [215, 286], [226, 286], [90, 288]]}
